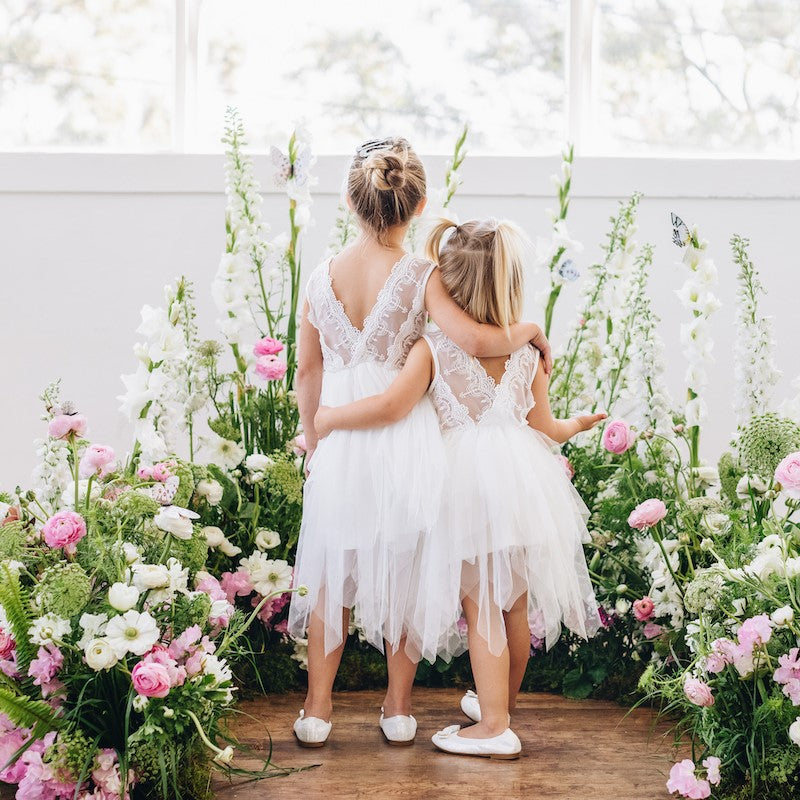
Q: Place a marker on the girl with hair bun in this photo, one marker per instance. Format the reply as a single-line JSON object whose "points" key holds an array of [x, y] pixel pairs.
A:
{"points": [[507, 546], [372, 495]]}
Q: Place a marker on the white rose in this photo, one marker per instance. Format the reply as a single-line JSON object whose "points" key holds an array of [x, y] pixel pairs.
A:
{"points": [[100, 655], [176, 520], [211, 491], [257, 462], [150, 576], [123, 597], [229, 549], [266, 539], [782, 616], [214, 535], [794, 731]]}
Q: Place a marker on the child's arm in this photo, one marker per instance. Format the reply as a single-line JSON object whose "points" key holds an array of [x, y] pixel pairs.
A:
{"points": [[309, 380], [478, 338], [541, 417], [389, 406]]}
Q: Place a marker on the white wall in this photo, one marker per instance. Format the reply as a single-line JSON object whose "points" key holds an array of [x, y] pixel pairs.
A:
{"points": [[86, 240]]}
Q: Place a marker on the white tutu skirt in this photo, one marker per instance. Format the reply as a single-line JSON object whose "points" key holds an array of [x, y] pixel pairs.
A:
{"points": [[511, 522], [369, 500]]}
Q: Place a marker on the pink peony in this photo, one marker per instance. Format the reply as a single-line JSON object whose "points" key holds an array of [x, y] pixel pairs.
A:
{"points": [[754, 632], [7, 644], [643, 609], [787, 474], [647, 514], [97, 459], [151, 679], [270, 368], [698, 692], [267, 347], [652, 629], [683, 781], [64, 426], [618, 437], [64, 529], [568, 468]]}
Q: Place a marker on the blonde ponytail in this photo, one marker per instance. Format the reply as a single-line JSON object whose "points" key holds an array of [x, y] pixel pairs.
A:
{"points": [[434, 243], [507, 257]]}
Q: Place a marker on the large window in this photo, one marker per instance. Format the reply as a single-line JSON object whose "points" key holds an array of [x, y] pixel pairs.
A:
{"points": [[614, 76]]}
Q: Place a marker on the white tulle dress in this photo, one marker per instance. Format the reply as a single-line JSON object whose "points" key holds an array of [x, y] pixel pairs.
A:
{"points": [[510, 520], [372, 494]]}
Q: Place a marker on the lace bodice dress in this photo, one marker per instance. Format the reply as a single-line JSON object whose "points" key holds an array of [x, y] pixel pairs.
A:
{"points": [[510, 521], [371, 494]]}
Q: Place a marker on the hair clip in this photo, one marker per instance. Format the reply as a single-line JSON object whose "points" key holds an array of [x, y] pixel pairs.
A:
{"points": [[372, 145]]}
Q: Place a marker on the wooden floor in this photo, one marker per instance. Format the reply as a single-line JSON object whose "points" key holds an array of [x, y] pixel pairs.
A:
{"points": [[571, 749]]}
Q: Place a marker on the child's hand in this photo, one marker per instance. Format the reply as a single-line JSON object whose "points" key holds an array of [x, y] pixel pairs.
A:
{"points": [[323, 422], [543, 346], [586, 423]]}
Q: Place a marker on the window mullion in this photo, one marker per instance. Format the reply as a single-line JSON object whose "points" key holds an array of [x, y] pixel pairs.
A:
{"points": [[179, 100], [579, 65]]}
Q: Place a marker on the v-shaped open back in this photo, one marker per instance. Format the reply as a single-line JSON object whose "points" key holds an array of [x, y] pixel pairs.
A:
{"points": [[394, 323]]}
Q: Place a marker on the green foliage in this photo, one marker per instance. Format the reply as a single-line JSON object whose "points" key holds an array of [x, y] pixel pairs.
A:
{"points": [[12, 540], [729, 475], [27, 712], [64, 589], [15, 600], [192, 553], [765, 441]]}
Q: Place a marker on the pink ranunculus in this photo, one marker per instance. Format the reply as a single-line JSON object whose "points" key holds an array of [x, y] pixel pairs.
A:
{"points": [[7, 644], [618, 437], [647, 514], [145, 473], [282, 627], [97, 459], [715, 663], [643, 609], [270, 368], [698, 692], [161, 655], [151, 679], [754, 632], [267, 347], [299, 446], [568, 468], [66, 425], [683, 780], [652, 629], [64, 530], [787, 474]]}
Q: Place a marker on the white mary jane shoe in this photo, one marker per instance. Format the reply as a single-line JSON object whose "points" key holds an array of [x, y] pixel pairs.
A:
{"points": [[311, 731], [399, 730], [470, 706], [505, 746]]}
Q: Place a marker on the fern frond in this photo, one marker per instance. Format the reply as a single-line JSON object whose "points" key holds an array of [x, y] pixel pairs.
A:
{"points": [[26, 712], [16, 603]]}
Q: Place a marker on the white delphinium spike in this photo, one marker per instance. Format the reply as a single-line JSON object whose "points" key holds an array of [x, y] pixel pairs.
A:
{"points": [[755, 372], [52, 473]]}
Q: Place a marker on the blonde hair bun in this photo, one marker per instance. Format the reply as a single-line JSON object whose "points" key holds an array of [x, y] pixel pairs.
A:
{"points": [[386, 170]]}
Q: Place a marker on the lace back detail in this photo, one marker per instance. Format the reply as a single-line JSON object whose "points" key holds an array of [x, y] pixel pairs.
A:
{"points": [[395, 322], [465, 395]]}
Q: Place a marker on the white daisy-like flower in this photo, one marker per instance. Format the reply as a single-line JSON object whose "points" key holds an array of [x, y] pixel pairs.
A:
{"points": [[268, 576], [132, 632], [49, 629]]}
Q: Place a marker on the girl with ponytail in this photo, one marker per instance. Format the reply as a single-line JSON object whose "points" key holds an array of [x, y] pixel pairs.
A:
{"points": [[506, 549], [372, 495]]}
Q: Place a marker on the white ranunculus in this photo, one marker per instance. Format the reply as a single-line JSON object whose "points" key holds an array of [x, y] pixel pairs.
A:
{"points": [[176, 520], [132, 632], [210, 491], [150, 576], [214, 535], [131, 552], [100, 654], [266, 539], [258, 462], [229, 549], [782, 616], [123, 597], [794, 731]]}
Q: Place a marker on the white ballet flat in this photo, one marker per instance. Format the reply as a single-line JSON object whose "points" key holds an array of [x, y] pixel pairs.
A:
{"points": [[505, 746], [311, 731], [470, 706], [399, 730]]}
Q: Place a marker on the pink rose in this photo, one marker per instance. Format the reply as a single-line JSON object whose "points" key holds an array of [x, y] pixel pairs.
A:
{"points": [[150, 679], [66, 425], [754, 632], [652, 629], [267, 347], [647, 514], [683, 781], [643, 609], [568, 468], [7, 644], [787, 474], [618, 437], [270, 368], [64, 529], [97, 459], [698, 692]]}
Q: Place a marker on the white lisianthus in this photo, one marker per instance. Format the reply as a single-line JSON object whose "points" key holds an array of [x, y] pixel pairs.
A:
{"points": [[49, 629], [266, 539], [176, 520], [93, 626], [268, 576], [782, 616], [132, 632], [99, 654], [210, 491], [214, 535], [123, 597], [150, 576]]}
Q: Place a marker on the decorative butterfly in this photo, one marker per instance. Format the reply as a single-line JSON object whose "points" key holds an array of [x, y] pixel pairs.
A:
{"points": [[284, 169], [680, 231], [164, 493], [568, 271]]}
